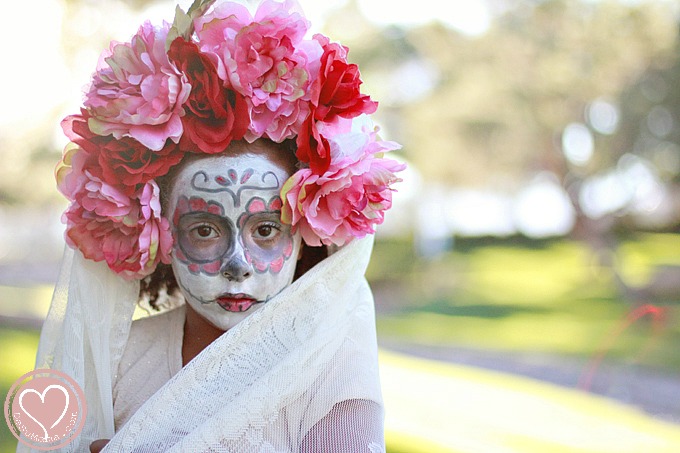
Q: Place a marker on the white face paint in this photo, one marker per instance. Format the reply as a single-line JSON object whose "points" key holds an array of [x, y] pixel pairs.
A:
{"points": [[231, 252]]}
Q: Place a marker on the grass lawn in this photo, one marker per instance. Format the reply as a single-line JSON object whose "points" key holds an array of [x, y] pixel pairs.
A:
{"points": [[17, 356], [548, 297]]}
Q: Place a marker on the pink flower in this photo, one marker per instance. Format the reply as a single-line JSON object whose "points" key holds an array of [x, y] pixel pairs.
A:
{"points": [[136, 91], [70, 171], [313, 141], [266, 60], [349, 199], [155, 239], [126, 232]]}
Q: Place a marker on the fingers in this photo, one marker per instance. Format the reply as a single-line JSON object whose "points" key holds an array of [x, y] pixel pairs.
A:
{"points": [[98, 445]]}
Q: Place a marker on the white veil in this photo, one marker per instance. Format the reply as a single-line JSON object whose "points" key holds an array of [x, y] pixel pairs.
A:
{"points": [[303, 366], [84, 335]]}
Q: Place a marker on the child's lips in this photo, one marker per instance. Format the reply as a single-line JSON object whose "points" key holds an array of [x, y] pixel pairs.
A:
{"points": [[235, 303]]}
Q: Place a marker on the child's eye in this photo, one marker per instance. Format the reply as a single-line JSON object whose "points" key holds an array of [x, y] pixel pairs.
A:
{"points": [[266, 231], [205, 232]]}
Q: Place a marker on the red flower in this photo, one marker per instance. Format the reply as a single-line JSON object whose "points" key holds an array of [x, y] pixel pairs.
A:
{"points": [[335, 92], [124, 163], [313, 148], [214, 115], [336, 89]]}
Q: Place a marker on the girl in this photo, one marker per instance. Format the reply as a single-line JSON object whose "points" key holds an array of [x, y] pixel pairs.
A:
{"points": [[216, 161]]}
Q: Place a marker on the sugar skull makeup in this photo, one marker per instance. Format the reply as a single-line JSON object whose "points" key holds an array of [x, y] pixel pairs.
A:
{"points": [[232, 253]]}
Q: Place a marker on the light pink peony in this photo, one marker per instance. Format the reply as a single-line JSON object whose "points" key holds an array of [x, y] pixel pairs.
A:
{"points": [[137, 92], [128, 233], [155, 239], [70, 171], [349, 199], [265, 58]]}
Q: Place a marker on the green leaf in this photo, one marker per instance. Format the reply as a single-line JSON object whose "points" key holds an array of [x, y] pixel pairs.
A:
{"points": [[182, 26], [199, 7]]}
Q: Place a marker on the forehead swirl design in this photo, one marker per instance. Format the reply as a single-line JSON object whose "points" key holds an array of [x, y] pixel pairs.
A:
{"points": [[202, 182]]}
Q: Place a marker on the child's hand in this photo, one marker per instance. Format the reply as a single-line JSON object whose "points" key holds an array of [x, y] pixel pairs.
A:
{"points": [[97, 445]]}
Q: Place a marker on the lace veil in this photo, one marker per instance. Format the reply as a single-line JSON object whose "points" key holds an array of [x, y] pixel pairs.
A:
{"points": [[300, 374]]}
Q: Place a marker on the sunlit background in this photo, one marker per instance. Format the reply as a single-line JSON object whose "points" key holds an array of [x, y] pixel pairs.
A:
{"points": [[527, 280]]}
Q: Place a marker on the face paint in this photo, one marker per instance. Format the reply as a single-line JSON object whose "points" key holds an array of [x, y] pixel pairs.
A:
{"points": [[231, 252], [262, 250]]}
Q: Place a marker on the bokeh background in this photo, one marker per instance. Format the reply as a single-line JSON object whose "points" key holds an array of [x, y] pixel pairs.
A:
{"points": [[527, 280]]}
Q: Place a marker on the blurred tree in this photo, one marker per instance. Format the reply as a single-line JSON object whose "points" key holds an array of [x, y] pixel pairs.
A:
{"points": [[650, 124], [508, 96], [499, 104]]}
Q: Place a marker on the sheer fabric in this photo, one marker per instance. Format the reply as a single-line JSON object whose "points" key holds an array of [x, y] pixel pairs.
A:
{"points": [[152, 356], [300, 374]]}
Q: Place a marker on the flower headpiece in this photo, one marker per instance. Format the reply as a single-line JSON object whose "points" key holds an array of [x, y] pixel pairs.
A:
{"points": [[216, 75]]}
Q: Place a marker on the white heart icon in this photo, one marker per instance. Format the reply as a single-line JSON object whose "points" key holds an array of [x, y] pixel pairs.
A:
{"points": [[42, 398]]}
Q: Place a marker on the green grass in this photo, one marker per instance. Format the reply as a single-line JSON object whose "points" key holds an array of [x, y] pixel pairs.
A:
{"points": [[550, 297], [17, 356]]}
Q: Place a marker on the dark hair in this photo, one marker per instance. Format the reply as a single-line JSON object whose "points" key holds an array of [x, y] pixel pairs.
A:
{"points": [[162, 281], [161, 284]]}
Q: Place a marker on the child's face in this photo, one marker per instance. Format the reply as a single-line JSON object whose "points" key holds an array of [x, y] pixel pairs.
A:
{"points": [[231, 251]]}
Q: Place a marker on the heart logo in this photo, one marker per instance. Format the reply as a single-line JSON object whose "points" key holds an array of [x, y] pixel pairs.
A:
{"points": [[45, 409], [48, 406]]}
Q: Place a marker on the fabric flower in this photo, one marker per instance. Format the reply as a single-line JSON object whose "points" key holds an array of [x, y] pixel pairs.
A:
{"points": [[349, 199], [136, 91], [313, 148], [70, 171], [266, 60], [128, 233], [336, 90], [215, 115], [334, 93], [124, 163]]}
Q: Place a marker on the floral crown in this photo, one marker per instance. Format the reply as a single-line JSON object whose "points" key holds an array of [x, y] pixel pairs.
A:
{"points": [[215, 75]]}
